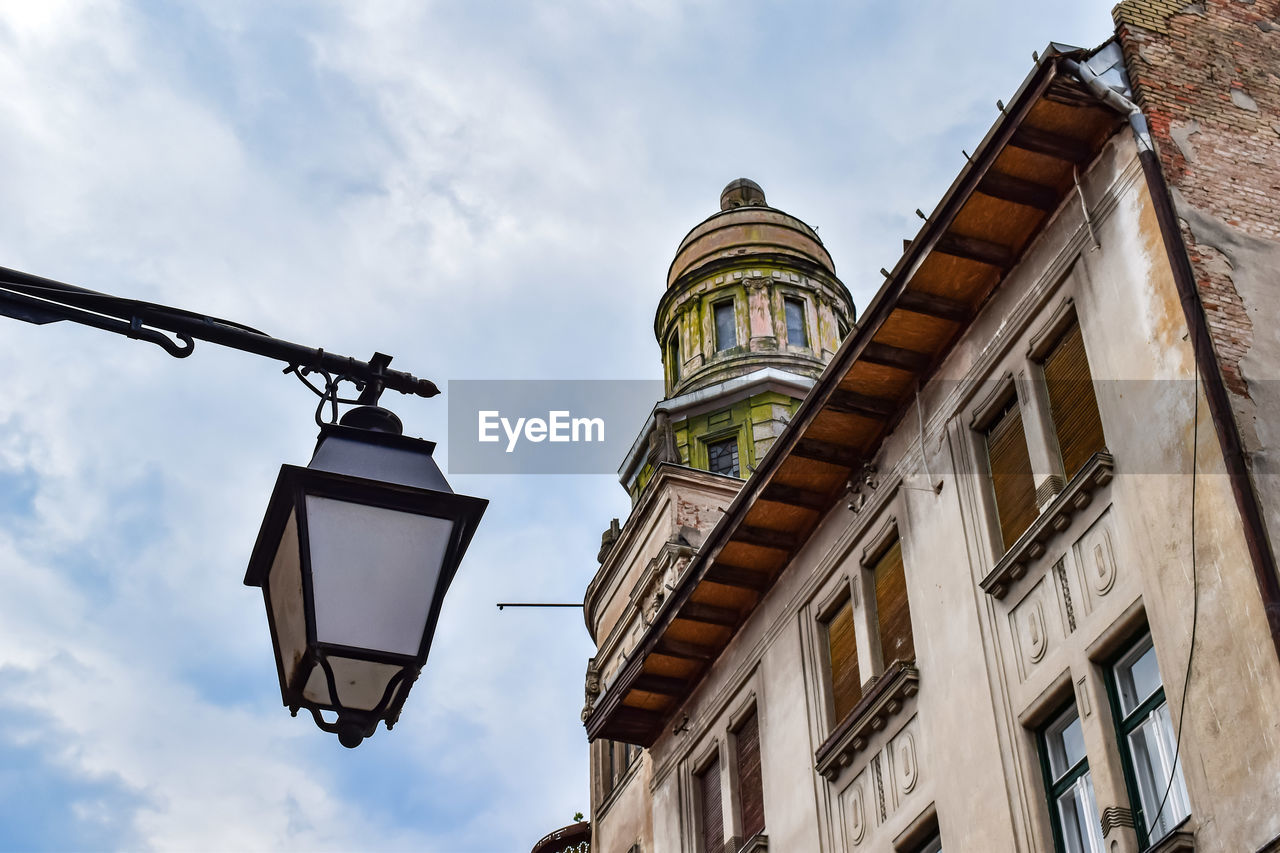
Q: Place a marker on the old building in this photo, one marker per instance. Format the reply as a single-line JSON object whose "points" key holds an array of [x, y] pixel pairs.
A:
{"points": [[1003, 580]]}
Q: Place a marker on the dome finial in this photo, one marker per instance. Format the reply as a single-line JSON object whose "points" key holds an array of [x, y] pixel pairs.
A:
{"points": [[742, 192]]}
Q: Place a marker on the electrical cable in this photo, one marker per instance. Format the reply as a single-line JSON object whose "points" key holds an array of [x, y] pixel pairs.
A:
{"points": [[1195, 585]]}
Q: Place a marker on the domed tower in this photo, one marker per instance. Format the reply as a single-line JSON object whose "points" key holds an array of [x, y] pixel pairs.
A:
{"points": [[752, 313]]}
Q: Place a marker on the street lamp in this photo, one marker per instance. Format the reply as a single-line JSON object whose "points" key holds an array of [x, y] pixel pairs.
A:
{"points": [[356, 550], [354, 557]]}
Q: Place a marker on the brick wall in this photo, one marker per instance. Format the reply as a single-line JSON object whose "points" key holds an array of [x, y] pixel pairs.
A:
{"points": [[1206, 75]]}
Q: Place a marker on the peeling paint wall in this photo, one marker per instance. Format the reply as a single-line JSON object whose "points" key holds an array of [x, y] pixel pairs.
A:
{"points": [[1208, 77]]}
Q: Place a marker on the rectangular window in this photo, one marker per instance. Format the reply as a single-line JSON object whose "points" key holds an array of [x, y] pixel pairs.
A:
{"points": [[609, 770], [1011, 478], [893, 613], [796, 335], [750, 779], [616, 760], [933, 845], [1072, 402], [673, 356], [711, 826], [722, 457], [1148, 746], [842, 655], [726, 326], [1072, 808]]}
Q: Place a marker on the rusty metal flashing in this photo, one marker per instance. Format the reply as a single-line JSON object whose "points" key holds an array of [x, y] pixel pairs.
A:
{"points": [[1037, 84]]}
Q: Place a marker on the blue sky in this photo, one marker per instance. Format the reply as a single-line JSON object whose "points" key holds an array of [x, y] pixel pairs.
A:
{"points": [[485, 190]]}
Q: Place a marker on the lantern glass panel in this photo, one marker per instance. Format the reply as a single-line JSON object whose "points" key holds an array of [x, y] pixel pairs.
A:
{"points": [[360, 683], [285, 587], [373, 574]]}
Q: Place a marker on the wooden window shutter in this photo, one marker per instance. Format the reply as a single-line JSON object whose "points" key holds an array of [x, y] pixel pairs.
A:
{"points": [[1072, 402], [712, 814], [846, 682], [750, 781], [893, 613], [1011, 478]]}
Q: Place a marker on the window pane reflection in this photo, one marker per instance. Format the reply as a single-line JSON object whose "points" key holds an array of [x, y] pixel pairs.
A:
{"points": [[1078, 813]]}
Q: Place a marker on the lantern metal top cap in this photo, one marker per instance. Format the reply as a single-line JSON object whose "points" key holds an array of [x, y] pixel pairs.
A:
{"points": [[374, 419]]}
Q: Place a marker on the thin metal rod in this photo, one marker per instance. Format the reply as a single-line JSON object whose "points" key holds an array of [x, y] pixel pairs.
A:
{"points": [[503, 604], [934, 486], [41, 300], [1084, 208]]}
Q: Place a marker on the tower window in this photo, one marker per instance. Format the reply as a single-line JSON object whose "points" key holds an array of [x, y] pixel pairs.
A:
{"points": [[796, 335], [723, 457], [673, 356], [726, 326]]}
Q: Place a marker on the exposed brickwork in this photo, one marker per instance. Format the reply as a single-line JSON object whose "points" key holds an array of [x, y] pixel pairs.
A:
{"points": [[1206, 75], [1149, 14]]}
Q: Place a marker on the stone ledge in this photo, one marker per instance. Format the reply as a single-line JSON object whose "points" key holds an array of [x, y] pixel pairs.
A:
{"points": [[1177, 841], [1031, 545], [881, 702], [758, 843]]}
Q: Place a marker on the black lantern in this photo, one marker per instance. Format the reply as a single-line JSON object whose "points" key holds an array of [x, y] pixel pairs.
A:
{"points": [[354, 557]]}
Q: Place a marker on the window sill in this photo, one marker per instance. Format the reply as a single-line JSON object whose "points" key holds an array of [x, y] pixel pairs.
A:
{"points": [[886, 697], [1181, 840], [1095, 474], [758, 843]]}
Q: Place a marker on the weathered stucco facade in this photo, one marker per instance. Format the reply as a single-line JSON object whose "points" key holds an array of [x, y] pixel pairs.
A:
{"points": [[995, 586]]}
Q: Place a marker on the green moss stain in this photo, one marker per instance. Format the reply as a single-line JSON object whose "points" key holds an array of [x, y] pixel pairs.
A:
{"points": [[755, 421]]}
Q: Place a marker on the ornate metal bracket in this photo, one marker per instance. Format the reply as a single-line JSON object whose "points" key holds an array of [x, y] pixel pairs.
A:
{"points": [[867, 480], [37, 300]]}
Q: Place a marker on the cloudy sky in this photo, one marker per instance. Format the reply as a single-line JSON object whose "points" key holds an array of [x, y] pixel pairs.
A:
{"points": [[483, 189]]}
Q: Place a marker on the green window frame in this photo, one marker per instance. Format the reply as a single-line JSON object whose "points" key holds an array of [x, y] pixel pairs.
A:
{"points": [[1146, 737], [1073, 810], [723, 457]]}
